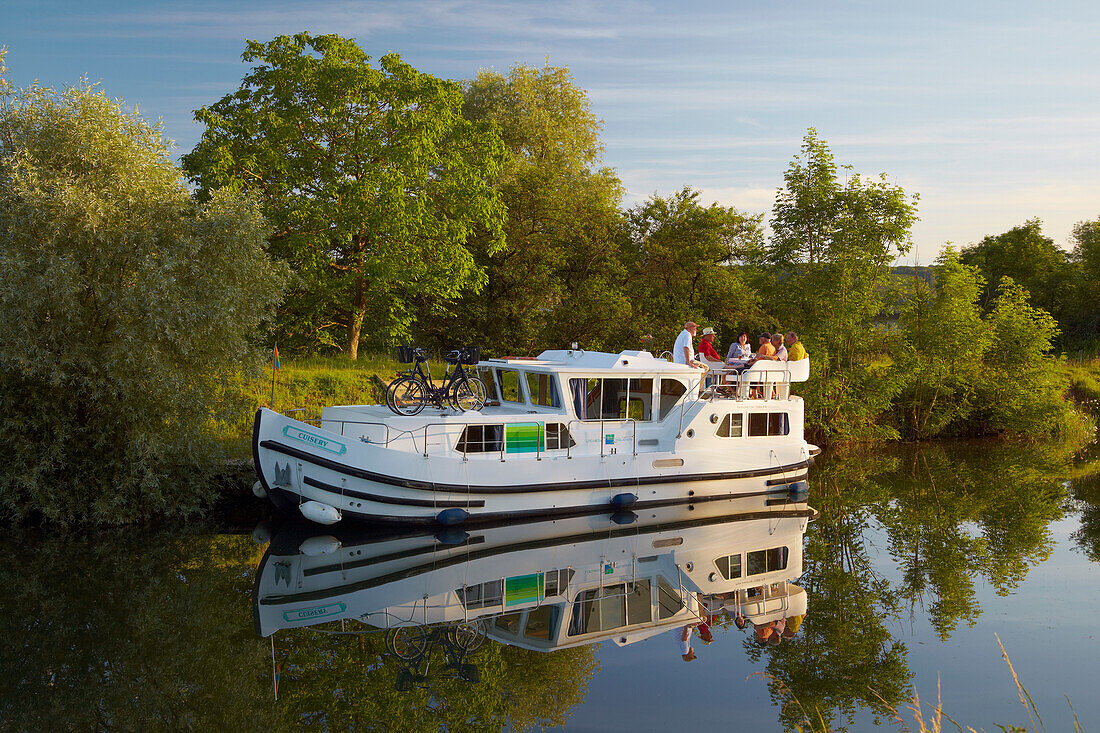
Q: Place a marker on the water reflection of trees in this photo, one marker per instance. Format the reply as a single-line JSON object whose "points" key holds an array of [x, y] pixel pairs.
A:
{"points": [[130, 631], [152, 631], [949, 515], [350, 682]]}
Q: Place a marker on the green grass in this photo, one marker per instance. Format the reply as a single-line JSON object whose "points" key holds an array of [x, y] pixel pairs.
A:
{"points": [[1084, 379], [310, 383]]}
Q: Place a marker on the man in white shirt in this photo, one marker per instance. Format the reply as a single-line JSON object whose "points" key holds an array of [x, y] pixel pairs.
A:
{"points": [[683, 352]]}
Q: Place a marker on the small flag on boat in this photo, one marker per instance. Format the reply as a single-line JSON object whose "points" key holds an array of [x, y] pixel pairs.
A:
{"points": [[278, 366]]}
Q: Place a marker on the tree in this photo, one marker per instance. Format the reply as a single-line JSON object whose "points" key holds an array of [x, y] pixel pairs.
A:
{"points": [[1031, 259], [557, 271], [1082, 322], [825, 270], [371, 178], [1023, 390], [124, 307], [681, 259], [942, 342]]}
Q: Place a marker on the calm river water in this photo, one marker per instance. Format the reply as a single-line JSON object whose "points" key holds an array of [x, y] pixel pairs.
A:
{"points": [[919, 560]]}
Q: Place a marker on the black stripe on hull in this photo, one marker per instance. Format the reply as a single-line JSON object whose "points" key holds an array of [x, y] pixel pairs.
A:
{"points": [[355, 472], [781, 481], [525, 516], [351, 493]]}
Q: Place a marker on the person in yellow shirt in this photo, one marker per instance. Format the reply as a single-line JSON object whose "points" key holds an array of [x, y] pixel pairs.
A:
{"points": [[795, 350]]}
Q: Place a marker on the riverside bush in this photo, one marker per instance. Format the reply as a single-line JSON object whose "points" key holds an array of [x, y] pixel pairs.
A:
{"points": [[122, 306]]}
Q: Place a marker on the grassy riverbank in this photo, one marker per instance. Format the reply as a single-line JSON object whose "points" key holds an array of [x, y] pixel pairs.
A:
{"points": [[311, 383], [1084, 381]]}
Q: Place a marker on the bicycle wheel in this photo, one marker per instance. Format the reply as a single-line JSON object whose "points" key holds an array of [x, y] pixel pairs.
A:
{"points": [[468, 394], [468, 636], [406, 396], [407, 642]]}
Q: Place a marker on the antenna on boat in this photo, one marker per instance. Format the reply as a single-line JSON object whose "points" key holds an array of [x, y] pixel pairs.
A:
{"points": [[275, 366]]}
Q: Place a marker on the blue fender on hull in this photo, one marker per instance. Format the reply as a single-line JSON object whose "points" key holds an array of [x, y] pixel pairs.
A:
{"points": [[451, 536], [622, 501], [451, 517]]}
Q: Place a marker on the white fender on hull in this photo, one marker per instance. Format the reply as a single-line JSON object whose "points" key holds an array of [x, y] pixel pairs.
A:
{"points": [[259, 491], [315, 511], [319, 545]]}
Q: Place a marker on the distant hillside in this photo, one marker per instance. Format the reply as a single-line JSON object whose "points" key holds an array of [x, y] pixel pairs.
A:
{"points": [[907, 271]]}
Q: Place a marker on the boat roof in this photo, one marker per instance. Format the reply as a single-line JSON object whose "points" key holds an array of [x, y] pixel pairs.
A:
{"points": [[580, 360]]}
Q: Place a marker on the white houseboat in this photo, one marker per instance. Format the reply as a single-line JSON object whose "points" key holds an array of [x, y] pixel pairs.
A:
{"points": [[569, 432], [545, 585]]}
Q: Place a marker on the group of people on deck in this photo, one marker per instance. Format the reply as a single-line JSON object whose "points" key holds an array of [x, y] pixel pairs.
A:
{"points": [[740, 356]]}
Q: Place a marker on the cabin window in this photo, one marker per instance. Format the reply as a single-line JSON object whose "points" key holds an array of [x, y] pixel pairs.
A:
{"points": [[671, 392], [508, 385], [508, 624], [558, 437], [541, 622], [729, 566], [669, 602], [768, 423], [612, 399], [731, 426], [482, 595], [602, 609], [556, 581], [585, 394], [766, 561], [487, 376], [542, 389], [481, 439], [641, 400]]}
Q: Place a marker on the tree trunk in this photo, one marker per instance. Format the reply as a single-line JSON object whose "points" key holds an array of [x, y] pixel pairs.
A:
{"points": [[355, 318]]}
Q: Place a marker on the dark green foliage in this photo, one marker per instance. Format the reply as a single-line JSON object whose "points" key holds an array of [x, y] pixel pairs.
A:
{"points": [[1031, 259], [124, 308], [1082, 321], [680, 258], [557, 274], [131, 631]]}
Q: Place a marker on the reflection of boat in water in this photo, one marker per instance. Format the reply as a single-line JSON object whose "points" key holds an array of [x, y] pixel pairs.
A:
{"points": [[567, 433], [546, 585]]}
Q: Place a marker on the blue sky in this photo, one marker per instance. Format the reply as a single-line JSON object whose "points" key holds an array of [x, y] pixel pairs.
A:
{"points": [[990, 111]]}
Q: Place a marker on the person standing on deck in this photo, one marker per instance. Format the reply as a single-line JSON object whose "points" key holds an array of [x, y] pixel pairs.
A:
{"points": [[683, 352]]}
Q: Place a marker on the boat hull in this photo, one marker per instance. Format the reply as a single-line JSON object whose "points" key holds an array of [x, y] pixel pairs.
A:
{"points": [[297, 463]]}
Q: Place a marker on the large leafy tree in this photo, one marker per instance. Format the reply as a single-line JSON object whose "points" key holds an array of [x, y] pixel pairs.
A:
{"points": [[681, 258], [555, 278], [372, 180], [123, 308], [826, 271], [1030, 258]]}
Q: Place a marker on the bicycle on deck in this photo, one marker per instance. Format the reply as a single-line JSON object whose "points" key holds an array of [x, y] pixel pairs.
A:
{"points": [[414, 390], [413, 645]]}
